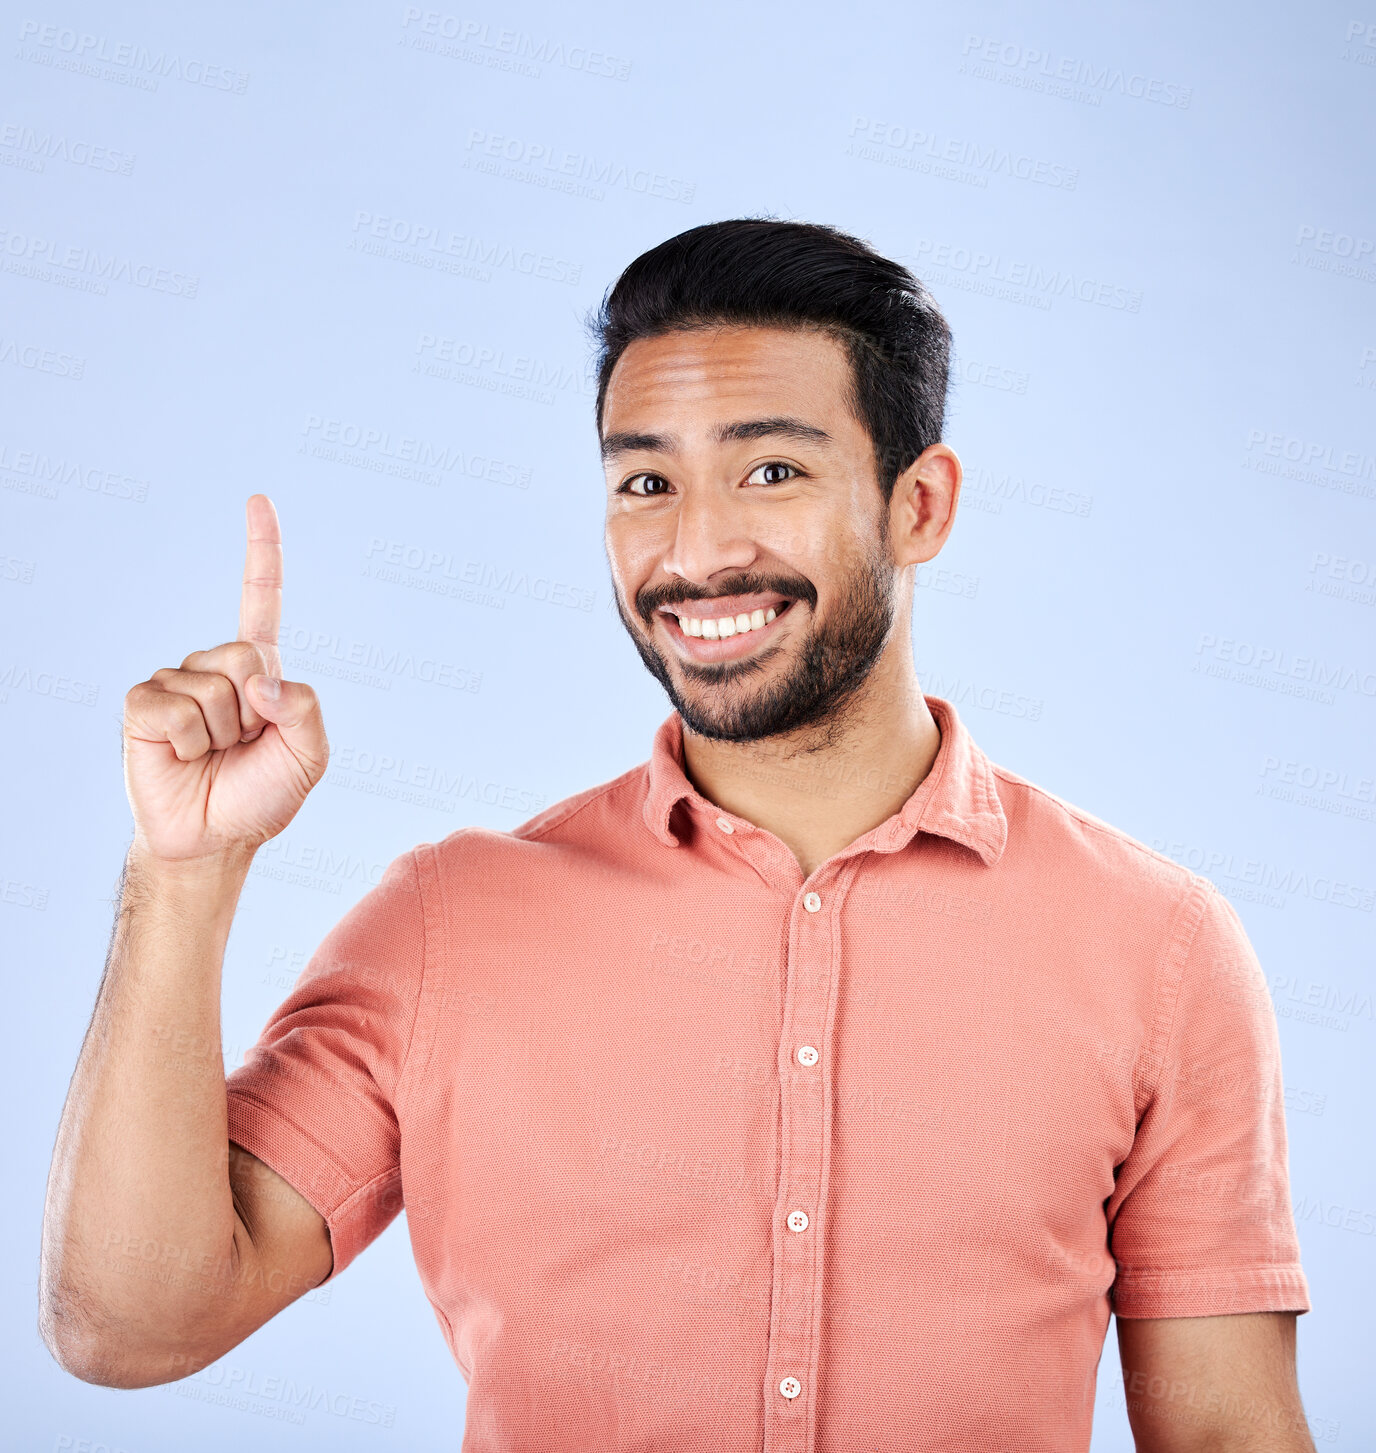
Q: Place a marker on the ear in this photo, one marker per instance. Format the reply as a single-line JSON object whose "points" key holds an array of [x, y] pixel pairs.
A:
{"points": [[922, 508]]}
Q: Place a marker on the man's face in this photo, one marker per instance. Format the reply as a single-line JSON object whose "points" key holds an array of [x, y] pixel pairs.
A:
{"points": [[741, 488]]}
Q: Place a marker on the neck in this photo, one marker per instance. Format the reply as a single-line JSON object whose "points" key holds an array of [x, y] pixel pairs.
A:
{"points": [[823, 786]]}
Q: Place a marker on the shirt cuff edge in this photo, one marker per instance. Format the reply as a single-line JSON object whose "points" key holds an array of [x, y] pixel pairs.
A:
{"points": [[285, 1147], [1185, 1292]]}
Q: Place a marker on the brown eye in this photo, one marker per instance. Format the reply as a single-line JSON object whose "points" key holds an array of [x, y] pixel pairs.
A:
{"points": [[626, 488], [771, 466]]}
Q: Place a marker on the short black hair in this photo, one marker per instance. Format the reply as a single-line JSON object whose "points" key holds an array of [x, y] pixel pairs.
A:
{"points": [[762, 271]]}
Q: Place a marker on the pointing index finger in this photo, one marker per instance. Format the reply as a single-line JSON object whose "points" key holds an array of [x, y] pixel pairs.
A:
{"points": [[260, 605]]}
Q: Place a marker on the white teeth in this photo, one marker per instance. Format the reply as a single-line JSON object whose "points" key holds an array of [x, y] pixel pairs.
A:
{"points": [[725, 626]]}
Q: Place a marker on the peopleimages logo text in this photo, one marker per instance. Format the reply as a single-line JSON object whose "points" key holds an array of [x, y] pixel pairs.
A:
{"points": [[915, 142], [86, 47], [539, 156], [1042, 283], [1030, 61]]}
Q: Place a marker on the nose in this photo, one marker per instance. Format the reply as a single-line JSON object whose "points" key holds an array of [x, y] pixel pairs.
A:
{"points": [[708, 538]]}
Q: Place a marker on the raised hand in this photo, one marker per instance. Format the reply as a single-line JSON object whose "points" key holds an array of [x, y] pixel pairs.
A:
{"points": [[214, 763]]}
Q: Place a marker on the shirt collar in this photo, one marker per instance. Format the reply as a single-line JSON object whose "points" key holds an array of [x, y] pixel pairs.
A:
{"points": [[957, 799]]}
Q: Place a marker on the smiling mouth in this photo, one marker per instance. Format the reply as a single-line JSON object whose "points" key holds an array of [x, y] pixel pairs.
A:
{"points": [[723, 627], [710, 639]]}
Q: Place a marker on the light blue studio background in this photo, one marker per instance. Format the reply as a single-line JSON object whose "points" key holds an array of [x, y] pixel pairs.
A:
{"points": [[258, 250]]}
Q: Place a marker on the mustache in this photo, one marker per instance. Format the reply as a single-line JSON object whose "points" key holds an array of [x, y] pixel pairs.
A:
{"points": [[649, 601]]}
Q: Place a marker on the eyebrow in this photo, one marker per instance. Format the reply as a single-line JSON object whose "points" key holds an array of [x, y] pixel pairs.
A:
{"points": [[781, 426]]}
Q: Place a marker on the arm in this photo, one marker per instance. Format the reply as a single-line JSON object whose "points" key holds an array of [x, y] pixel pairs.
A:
{"points": [[1209, 1281], [1213, 1384], [164, 1245]]}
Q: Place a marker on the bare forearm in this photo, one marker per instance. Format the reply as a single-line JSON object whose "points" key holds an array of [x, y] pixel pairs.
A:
{"points": [[139, 1226], [1233, 1439], [1213, 1384]]}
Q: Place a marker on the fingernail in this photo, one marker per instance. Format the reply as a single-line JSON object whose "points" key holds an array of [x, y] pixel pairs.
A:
{"points": [[269, 687]]}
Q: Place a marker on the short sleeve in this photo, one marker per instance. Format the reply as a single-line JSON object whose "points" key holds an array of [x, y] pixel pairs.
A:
{"points": [[315, 1096], [1200, 1220]]}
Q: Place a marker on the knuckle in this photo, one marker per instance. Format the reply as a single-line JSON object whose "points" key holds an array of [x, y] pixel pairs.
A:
{"points": [[221, 688], [247, 656], [183, 712]]}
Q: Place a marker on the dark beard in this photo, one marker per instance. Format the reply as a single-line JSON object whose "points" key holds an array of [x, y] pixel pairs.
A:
{"points": [[835, 660]]}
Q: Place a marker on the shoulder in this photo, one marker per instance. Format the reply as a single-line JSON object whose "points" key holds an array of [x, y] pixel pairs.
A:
{"points": [[582, 824], [1075, 851]]}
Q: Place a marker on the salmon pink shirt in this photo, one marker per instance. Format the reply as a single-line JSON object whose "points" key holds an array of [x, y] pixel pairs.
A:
{"points": [[699, 1154]]}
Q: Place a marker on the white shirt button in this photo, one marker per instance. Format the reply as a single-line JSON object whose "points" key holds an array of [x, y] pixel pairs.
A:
{"points": [[797, 1220], [807, 1055], [790, 1387], [811, 902], [724, 825]]}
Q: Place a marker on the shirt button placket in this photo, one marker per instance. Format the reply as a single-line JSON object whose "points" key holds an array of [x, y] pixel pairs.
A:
{"points": [[797, 1263]]}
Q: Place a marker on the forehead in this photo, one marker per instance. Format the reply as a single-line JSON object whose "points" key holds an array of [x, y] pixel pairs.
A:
{"points": [[705, 375]]}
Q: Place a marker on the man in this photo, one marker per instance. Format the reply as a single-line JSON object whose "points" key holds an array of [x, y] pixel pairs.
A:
{"points": [[816, 1085]]}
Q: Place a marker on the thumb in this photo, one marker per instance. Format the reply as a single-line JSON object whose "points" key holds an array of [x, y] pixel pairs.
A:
{"points": [[294, 710]]}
